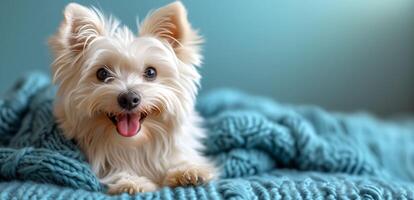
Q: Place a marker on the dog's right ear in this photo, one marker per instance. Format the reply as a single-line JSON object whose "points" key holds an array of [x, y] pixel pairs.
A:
{"points": [[79, 28]]}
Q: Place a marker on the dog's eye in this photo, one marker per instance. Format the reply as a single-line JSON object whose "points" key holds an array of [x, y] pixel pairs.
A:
{"points": [[150, 73], [102, 74]]}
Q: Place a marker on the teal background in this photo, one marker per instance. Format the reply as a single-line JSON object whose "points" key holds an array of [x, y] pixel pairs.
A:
{"points": [[341, 54]]}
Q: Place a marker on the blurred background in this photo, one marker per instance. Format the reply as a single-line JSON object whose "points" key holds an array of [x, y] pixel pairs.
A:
{"points": [[344, 55]]}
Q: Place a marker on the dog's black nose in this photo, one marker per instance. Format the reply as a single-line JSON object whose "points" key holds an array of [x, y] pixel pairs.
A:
{"points": [[129, 100]]}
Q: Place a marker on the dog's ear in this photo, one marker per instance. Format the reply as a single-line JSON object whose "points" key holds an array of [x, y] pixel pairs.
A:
{"points": [[79, 28], [171, 25]]}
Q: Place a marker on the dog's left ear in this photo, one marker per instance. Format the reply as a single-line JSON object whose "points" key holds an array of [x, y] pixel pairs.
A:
{"points": [[171, 25], [80, 26]]}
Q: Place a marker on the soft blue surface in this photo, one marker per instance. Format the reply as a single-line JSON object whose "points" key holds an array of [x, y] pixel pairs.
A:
{"points": [[340, 54], [267, 151]]}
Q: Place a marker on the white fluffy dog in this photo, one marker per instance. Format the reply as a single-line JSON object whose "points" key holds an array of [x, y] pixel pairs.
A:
{"points": [[128, 100]]}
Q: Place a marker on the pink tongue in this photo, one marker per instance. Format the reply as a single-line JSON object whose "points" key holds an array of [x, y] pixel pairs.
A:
{"points": [[128, 125]]}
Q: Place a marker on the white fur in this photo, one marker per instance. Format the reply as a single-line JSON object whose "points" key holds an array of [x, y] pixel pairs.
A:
{"points": [[169, 138]]}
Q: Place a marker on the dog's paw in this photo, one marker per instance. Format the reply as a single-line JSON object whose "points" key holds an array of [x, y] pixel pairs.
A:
{"points": [[189, 175], [131, 187]]}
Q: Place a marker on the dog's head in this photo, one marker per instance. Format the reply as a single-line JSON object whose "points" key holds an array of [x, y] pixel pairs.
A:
{"points": [[106, 72]]}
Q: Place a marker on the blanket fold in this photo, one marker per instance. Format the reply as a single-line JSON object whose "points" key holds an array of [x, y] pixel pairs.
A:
{"points": [[266, 150]]}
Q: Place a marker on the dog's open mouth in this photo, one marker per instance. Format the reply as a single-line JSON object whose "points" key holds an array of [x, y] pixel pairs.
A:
{"points": [[127, 124]]}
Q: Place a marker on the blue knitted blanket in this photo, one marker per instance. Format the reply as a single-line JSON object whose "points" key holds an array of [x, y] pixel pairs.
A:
{"points": [[267, 151]]}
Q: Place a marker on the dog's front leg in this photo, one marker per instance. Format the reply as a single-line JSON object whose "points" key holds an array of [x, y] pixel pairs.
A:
{"points": [[189, 173], [129, 183]]}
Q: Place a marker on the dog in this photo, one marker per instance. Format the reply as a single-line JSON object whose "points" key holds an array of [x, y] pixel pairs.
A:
{"points": [[128, 99]]}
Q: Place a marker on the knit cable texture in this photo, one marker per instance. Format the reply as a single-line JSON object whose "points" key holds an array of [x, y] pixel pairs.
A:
{"points": [[265, 150]]}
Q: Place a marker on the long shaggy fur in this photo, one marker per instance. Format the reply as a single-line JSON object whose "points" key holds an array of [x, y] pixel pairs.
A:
{"points": [[166, 149]]}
